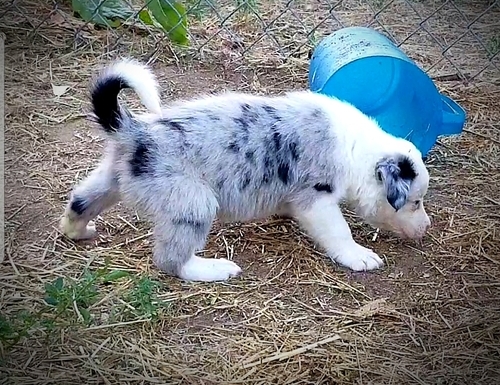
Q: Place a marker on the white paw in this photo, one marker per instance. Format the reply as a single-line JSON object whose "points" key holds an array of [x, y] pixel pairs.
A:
{"points": [[358, 258], [77, 230], [209, 270]]}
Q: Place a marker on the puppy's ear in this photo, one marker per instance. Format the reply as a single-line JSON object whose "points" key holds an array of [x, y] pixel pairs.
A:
{"points": [[396, 173]]}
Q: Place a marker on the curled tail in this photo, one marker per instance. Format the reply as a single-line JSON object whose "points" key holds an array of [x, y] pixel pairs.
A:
{"points": [[122, 74]]}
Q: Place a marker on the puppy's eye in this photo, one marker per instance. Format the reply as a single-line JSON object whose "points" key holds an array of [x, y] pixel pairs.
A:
{"points": [[417, 203]]}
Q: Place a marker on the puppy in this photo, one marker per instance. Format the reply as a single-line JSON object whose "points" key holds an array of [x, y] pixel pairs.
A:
{"points": [[240, 157]]}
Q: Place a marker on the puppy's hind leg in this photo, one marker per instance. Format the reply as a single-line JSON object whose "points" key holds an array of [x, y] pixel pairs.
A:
{"points": [[92, 196], [182, 225]]}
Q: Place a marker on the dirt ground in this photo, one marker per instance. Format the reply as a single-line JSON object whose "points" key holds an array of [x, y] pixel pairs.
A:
{"points": [[430, 316]]}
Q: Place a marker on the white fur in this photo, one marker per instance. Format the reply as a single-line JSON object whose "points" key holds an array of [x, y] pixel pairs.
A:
{"points": [[208, 270], [140, 78], [325, 223]]}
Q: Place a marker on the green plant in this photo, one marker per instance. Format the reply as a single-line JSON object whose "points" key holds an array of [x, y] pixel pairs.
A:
{"points": [[14, 328], [169, 15], [246, 6], [7, 330], [494, 46], [378, 4], [76, 296], [143, 298]]}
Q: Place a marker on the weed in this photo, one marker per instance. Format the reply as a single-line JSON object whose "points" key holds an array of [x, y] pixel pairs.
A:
{"points": [[76, 296], [13, 329], [7, 330], [493, 46], [378, 4], [247, 6], [144, 300]]}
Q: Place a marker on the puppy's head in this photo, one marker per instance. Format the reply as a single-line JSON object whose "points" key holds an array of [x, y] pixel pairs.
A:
{"points": [[401, 181]]}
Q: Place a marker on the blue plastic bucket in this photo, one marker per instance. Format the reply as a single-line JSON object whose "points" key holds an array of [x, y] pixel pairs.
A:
{"points": [[365, 68]]}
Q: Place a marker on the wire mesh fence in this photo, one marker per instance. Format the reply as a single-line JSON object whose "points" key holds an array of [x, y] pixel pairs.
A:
{"points": [[450, 39]]}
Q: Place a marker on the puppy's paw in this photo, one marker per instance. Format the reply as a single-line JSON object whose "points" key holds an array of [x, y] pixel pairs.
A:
{"points": [[209, 270], [77, 230], [358, 258]]}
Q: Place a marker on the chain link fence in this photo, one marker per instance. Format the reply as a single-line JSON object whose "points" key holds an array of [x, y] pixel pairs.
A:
{"points": [[450, 39]]}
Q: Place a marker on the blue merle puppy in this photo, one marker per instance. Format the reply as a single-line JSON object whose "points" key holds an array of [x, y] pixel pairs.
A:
{"points": [[241, 157]]}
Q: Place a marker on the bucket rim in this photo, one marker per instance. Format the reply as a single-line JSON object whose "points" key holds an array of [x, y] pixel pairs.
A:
{"points": [[325, 82]]}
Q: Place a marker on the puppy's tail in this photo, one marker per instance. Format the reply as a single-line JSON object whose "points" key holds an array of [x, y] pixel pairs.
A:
{"points": [[125, 73]]}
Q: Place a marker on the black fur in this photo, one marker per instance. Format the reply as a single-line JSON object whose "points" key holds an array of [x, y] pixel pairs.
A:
{"points": [[250, 157], [407, 170], [272, 112], [173, 124], [268, 170], [105, 102], [140, 161], [233, 147], [323, 187], [294, 150], [197, 225], [277, 140], [284, 173], [79, 205], [245, 182]]}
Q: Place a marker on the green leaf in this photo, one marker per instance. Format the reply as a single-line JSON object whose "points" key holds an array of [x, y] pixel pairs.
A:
{"points": [[172, 17], [58, 283], [115, 275], [6, 329], [51, 301], [145, 17], [86, 315], [108, 14]]}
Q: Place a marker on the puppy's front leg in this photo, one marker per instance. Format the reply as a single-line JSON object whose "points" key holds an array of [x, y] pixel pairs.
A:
{"points": [[325, 223]]}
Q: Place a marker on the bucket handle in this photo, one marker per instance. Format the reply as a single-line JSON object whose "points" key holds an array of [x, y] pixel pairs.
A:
{"points": [[453, 116]]}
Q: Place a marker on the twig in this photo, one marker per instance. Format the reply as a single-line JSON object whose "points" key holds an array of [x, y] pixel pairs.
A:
{"points": [[292, 353]]}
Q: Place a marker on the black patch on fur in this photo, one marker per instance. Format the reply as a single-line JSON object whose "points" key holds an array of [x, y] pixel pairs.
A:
{"points": [[141, 159], [213, 117], [277, 140], [79, 205], [245, 182], [242, 123], [249, 156], [198, 226], [272, 112], [246, 108], [294, 150], [233, 147], [284, 172], [248, 116], [287, 155], [317, 113], [188, 222], [173, 124], [407, 169], [105, 102], [268, 170], [323, 187], [282, 155]]}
